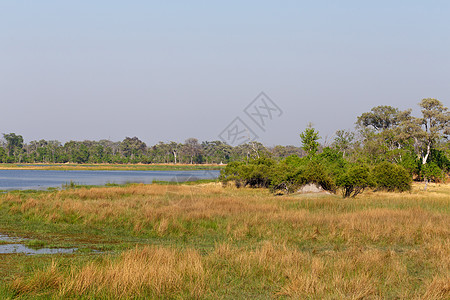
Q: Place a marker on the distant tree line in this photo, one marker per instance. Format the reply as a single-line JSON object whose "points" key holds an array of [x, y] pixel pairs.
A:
{"points": [[133, 150], [386, 151]]}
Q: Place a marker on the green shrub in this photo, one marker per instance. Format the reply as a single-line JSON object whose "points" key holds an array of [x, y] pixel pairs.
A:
{"points": [[391, 177], [410, 162], [285, 177], [354, 180], [289, 175], [255, 173], [432, 172], [333, 160], [316, 173], [231, 173], [295, 161]]}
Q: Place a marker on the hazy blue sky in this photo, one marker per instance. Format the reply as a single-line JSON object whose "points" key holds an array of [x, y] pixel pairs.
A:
{"points": [[170, 70]]}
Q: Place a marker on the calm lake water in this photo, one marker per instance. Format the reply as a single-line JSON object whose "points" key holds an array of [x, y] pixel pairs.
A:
{"points": [[43, 179]]}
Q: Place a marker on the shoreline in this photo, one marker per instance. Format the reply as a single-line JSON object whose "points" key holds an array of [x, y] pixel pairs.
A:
{"points": [[116, 167]]}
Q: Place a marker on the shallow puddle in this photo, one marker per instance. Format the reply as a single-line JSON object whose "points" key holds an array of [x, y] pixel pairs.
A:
{"points": [[19, 248], [7, 238], [15, 247]]}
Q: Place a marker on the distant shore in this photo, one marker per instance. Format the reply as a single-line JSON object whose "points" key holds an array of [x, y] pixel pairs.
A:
{"points": [[117, 167]]}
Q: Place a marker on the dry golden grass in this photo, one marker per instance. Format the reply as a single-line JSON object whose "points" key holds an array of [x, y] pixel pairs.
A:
{"points": [[141, 272], [135, 206], [148, 270], [376, 246], [163, 272]]}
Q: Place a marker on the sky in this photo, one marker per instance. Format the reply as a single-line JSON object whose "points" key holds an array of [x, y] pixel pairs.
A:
{"points": [[171, 70]]}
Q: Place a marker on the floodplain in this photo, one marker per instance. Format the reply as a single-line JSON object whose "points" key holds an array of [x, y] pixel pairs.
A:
{"points": [[206, 241]]}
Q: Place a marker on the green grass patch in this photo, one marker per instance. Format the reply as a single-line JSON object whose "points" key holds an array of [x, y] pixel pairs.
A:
{"points": [[35, 244]]}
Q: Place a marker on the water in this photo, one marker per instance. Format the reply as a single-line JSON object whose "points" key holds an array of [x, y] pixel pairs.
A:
{"points": [[15, 247], [7, 238], [43, 179], [19, 248]]}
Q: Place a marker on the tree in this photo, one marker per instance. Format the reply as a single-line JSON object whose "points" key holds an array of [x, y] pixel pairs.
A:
{"points": [[81, 155], [343, 141], [382, 132], [98, 154], [14, 143], [380, 117], [111, 148], [216, 152], [174, 146], [309, 140], [432, 172], [248, 151], [161, 153], [436, 125], [2, 155], [53, 149], [76, 152], [285, 151], [354, 180], [191, 148], [132, 147]]}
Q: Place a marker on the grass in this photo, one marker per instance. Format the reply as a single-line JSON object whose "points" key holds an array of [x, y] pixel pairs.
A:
{"points": [[205, 241], [35, 244]]}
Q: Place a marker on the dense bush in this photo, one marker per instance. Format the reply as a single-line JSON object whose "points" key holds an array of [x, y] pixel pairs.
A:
{"points": [[328, 170], [315, 172], [391, 177], [231, 173], [286, 176], [289, 177], [432, 172], [440, 159], [333, 160], [410, 162], [255, 173], [354, 180]]}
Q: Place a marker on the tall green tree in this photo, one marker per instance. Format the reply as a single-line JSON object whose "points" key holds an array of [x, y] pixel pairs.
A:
{"points": [[216, 151], [380, 118], [191, 148], [13, 142], [2, 155], [132, 147], [382, 133], [161, 153], [309, 139]]}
